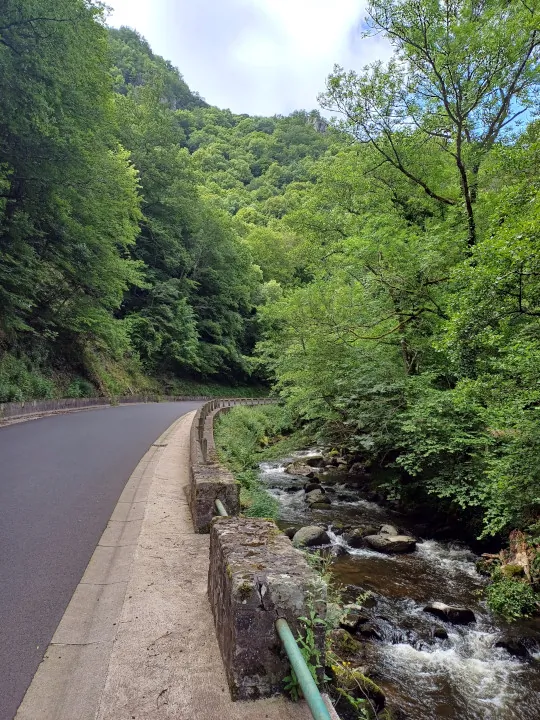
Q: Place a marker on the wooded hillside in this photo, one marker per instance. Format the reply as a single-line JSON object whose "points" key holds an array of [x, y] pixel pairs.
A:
{"points": [[380, 270]]}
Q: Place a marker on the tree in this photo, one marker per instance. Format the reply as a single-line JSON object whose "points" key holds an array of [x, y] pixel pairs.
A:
{"points": [[461, 75]]}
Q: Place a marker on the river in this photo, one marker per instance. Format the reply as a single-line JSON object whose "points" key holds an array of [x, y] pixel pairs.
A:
{"points": [[462, 677]]}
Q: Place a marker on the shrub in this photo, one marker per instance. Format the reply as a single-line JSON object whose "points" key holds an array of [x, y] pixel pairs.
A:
{"points": [[511, 598]]}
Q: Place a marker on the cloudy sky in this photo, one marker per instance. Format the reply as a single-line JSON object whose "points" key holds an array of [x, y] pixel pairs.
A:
{"points": [[255, 56]]}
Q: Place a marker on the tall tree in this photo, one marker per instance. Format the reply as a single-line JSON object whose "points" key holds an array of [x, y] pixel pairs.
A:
{"points": [[462, 73]]}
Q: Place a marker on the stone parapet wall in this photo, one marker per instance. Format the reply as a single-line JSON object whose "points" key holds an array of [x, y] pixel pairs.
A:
{"points": [[256, 577], [210, 481]]}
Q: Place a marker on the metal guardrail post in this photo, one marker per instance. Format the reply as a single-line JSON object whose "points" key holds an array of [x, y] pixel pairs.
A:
{"points": [[220, 507], [305, 679]]}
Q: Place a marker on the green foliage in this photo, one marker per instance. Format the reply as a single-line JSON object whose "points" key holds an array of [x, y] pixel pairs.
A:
{"points": [[242, 438], [311, 653], [20, 380], [80, 388], [511, 598]]}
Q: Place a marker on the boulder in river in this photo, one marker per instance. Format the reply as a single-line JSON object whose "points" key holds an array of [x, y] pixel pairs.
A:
{"points": [[358, 469], [310, 536], [514, 646], [451, 613], [355, 537], [388, 530], [440, 633], [309, 487], [290, 532], [299, 467], [391, 543], [315, 461], [315, 496]]}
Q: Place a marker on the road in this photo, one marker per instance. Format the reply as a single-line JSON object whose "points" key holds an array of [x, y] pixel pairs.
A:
{"points": [[60, 479]]}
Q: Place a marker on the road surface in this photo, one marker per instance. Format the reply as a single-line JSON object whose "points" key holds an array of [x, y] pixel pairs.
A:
{"points": [[60, 479]]}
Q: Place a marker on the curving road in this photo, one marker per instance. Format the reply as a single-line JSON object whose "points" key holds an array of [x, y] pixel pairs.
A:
{"points": [[60, 479]]}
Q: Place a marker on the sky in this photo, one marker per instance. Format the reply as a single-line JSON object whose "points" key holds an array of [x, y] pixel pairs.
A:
{"points": [[261, 57]]}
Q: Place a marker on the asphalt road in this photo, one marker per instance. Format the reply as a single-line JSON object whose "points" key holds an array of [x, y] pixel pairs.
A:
{"points": [[60, 479]]}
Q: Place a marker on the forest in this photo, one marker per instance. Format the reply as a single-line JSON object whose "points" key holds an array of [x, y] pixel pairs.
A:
{"points": [[374, 263]]}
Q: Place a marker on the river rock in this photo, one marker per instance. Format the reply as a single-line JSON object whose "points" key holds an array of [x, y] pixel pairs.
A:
{"points": [[352, 618], [310, 536], [514, 646], [355, 537], [299, 467], [391, 543], [388, 530], [451, 613], [344, 643], [315, 496], [316, 461], [369, 630], [290, 532], [358, 469], [440, 633], [313, 486]]}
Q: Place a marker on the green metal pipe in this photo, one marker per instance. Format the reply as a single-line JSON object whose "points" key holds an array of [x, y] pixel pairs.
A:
{"points": [[220, 507], [305, 679]]}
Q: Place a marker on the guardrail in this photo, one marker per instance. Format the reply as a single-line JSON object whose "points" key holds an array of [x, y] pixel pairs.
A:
{"points": [[28, 408]]}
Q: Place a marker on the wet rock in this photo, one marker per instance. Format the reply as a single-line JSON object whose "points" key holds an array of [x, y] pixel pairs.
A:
{"points": [[356, 684], [440, 634], [514, 646], [315, 496], [290, 532], [343, 643], [388, 530], [310, 536], [324, 505], [338, 550], [369, 630], [352, 618], [451, 613], [299, 467], [355, 537], [313, 486], [391, 543], [316, 461]]}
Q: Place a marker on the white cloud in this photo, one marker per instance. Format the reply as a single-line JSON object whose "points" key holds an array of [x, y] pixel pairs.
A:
{"points": [[256, 56]]}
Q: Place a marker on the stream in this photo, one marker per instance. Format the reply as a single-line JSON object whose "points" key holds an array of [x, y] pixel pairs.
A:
{"points": [[463, 677]]}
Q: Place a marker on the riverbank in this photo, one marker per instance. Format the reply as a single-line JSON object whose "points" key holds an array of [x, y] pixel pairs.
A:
{"points": [[430, 662]]}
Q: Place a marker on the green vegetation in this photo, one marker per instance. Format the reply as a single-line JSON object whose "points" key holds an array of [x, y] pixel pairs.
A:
{"points": [[380, 270], [244, 437], [512, 598]]}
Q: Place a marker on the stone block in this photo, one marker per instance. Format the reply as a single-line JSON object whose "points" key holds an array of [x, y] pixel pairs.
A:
{"points": [[256, 577]]}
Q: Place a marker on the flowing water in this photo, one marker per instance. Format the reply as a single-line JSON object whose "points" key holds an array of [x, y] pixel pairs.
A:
{"points": [[463, 677]]}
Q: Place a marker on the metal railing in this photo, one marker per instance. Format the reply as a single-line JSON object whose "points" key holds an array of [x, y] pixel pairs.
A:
{"points": [[305, 679]]}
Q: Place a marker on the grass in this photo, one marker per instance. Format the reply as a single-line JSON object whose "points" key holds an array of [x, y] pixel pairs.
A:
{"points": [[244, 437]]}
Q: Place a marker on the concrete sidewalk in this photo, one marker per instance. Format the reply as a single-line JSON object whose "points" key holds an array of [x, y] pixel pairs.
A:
{"points": [[137, 640]]}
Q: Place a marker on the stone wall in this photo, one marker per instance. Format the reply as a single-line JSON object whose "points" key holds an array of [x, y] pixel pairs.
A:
{"points": [[210, 481], [256, 577]]}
